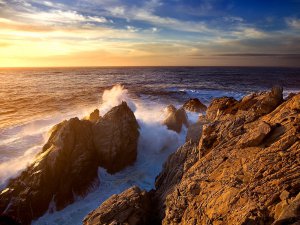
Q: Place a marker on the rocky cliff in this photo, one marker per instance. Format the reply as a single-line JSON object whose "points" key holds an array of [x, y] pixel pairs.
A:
{"points": [[245, 169], [68, 163]]}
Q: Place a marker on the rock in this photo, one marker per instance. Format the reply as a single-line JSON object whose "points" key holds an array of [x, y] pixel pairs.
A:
{"points": [[68, 163], [289, 212], [255, 135], [249, 172], [194, 105], [173, 170], [132, 207], [7, 220], [94, 116], [175, 118], [194, 132], [67, 166], [250, 107], [116, 138], [218, 106]]}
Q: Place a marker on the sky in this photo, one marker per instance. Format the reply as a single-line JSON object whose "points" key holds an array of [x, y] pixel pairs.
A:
{"points": [[38, 33]]}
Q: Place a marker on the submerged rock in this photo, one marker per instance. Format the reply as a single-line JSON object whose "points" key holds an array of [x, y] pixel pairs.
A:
{"points": [[194, 105], [175, 118], [132, 207], [68, 164]]}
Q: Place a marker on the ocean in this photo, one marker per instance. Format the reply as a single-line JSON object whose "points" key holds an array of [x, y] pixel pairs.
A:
{"points": [[33, 100]]}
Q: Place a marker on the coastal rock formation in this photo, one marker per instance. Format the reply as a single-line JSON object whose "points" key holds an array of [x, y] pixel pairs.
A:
{"points": [[132, 207], [175, 118], [115, 138], [194, 105], [94, 116], [68, 163], [244, 170]]}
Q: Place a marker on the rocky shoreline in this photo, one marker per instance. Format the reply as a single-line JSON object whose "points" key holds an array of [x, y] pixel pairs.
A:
{"points": [[240, 165]]}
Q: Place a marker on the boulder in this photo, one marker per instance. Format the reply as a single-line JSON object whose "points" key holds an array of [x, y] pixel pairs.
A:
{"points": [[116, 138], [194, 105], [255, 135], [175, 118], [132, 207], [68, 163]]}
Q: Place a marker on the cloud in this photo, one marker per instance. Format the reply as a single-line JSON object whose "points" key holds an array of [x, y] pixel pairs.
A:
{"points": [[59, 17], [293, 23]]}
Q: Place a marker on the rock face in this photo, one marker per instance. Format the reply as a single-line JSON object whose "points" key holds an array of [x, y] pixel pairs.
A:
{"points": [[132, 207], [94, 116], [175, 118], [244, 170], [119, 125], [194, 105], [67, 166]]}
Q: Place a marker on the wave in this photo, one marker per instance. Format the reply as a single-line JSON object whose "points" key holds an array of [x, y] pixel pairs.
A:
{"points": [[155, 144]]}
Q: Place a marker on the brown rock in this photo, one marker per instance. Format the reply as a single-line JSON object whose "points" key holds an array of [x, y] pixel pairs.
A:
{"points": [[68, 164], [249, 172], [175, 118], [94, 116], [194, 132], [217, 106], [289, 212], [255, 135], [116, 137], [194, 105], [250, 107], [132, 207]]}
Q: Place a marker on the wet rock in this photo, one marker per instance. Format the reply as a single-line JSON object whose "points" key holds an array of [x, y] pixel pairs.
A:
{"points": [[94, 116], [194, 105], [175, 119], [68, 163], [116, 137], [132, 207], [67, 166]]}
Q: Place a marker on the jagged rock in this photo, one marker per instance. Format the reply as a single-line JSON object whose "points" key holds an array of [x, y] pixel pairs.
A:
{"points": [[218, 106], [288, 211], [255, 135], [94, 116], [68, 163], [256, 182], [194, 105], [132, 207], [173, 170], [66, 166], [116, 138], [194, 132], [250, 107], [175, 118]]}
